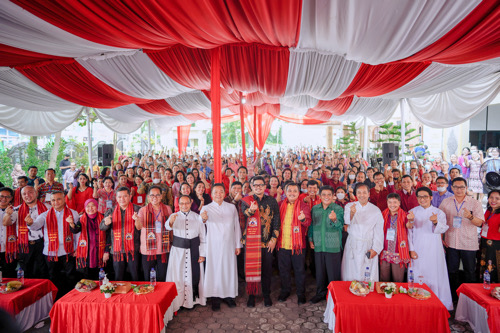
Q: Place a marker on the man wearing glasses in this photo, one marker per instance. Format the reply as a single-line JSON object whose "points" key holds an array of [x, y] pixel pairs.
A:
{"points": [[427, 256], [464, 215]]}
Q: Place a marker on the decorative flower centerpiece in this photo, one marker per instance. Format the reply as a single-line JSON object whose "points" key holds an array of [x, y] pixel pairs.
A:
{"points": [[389, 289], [107, 288]]}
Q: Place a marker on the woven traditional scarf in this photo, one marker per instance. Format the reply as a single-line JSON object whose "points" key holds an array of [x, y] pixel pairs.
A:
{"points": [[253, 250], [128, 226], [52, 232], [23, 230], [404, 253], [11, 244], [151, 245], [82, 250], [296, 226], [18, 199]]}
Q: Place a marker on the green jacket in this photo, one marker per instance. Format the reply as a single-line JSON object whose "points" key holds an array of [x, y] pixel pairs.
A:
{"points": [[323, 232]]}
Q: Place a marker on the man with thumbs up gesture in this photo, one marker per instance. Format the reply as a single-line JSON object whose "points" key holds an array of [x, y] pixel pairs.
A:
{"points": [[295, 219]]}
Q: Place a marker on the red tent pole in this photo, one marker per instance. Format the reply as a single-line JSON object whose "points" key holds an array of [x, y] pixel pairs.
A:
{"points": [[254, 132], [242, 121], [216, 113]]}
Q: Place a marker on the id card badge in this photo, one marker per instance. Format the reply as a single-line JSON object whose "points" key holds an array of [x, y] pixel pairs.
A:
{"points": [[391, 235], [48, 197], [139, 199], [158, 227], [457, 222], [484, 231], [109, 204]]}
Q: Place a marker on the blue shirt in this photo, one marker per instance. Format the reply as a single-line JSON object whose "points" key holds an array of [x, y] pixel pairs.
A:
{"points": [[437, 199]]}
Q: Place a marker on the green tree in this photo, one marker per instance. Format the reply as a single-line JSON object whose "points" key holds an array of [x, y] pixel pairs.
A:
{"points": [[350, 142], [6, 167], [391, 133]]}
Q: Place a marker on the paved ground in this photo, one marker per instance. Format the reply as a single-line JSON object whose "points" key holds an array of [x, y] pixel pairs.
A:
{"points": [[281, 317]]}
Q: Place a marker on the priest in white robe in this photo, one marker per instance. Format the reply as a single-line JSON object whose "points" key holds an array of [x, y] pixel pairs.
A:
{"points": [[366, 237], [426, 247], [189, 233], [223, 245]]}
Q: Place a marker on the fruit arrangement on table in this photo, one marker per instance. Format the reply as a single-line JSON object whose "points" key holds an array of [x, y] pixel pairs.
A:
{"points": [[10, 287]]}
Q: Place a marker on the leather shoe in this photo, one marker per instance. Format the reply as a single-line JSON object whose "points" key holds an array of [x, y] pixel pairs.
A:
{"points": [[267, 301], [301, 300], [230, 302], [215, 304], [317, 298], [283, 297], [251, 301]]}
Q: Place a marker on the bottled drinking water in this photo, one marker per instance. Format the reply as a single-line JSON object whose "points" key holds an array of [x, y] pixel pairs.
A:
{"points": [[411, 280], [367, 275], [152, 277], [486, 280], [102, 275], [20, 275]]}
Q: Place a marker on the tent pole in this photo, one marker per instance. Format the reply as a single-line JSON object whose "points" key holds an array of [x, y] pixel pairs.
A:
{"points": [[365, 140], [254, 133], [89, 129], [403, 132], [149, 135], [242, 124], [216, 113]]}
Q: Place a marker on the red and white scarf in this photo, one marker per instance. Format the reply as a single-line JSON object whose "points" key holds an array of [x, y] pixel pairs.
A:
{"points": [[128, 225], [23, 230], [253, 250], [151, 245], [296, 236], [52, 232], [402, 235], [82, 250]]}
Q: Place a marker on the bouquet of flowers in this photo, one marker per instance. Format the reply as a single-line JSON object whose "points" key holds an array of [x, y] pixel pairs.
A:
{"points": [[108, 288]]}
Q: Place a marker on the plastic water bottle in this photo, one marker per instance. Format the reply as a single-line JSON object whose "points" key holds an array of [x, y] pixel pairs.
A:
{"points": [[411, 280], [20, 275], [152, 277], [486, 280], [102, 275], [367, 275]]}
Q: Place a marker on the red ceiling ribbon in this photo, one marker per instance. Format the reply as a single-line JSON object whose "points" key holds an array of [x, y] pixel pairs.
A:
{"points": [[156, 24], [301, 120], [12, 56], [375, 80], [259, 125], [336, 107], [70, 81], [242, 124], [216, 114], [475, 38], [159, 107], [183, 138]]}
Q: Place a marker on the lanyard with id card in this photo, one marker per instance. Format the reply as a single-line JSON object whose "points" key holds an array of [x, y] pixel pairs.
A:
{"points": [[484, 230], [457, 220], [158, 223], [391, 234]]}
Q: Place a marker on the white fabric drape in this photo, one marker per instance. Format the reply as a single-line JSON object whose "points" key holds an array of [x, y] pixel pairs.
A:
{"points": [[376, 32], [35, 312], [165, 124], [36, 123], [190, 102], [133, 74], [118, 126], [290, 111], [455, 106], [21, 29], [318, 74], [18, 91], [302, 101], [378, 110], [439, 78]]}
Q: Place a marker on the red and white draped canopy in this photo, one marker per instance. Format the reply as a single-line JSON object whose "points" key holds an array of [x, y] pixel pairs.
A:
{"points": [[306, 61]]}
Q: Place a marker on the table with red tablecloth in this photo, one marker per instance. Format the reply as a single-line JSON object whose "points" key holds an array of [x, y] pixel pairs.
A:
{"points": [[346, 312], [31, 303], [91, 312], [477, 307]]}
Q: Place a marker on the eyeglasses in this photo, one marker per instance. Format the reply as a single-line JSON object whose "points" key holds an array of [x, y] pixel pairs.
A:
{"points": [[155, 195], [459, 187], [258, 185], [423, 197], [5, 197]]}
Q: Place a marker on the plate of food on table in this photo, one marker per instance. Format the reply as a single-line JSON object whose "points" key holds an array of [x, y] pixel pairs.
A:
{"points": [[359, 288], [419, 293], [143, 289], [495, 292], [10, 287], [85, 286]]}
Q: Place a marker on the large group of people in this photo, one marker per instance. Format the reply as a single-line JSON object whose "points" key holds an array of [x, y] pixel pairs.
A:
{"points": [[320, 210]]}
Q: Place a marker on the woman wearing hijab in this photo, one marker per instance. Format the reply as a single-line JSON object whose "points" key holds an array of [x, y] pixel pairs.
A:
{"points": [[90, 252]]}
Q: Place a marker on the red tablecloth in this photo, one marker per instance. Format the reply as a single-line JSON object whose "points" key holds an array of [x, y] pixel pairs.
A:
{"points": [[91, 312], [481, 296], [375, 313], [32, 291]]}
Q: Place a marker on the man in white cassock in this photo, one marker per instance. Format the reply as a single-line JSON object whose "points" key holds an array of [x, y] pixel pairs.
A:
{"points": [[185, 265], [366, 237], [223, 245], [427, 255]]}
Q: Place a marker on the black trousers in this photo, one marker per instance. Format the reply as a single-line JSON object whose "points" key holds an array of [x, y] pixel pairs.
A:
{"points": [[62, 273], [33, 263], [453, 257], [240, 262], [132, 265], [8, 269], [287, 260], [159, 266], [327, 270]]}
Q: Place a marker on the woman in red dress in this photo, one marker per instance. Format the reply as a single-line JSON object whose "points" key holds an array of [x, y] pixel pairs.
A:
{"points": [[78, 195]]}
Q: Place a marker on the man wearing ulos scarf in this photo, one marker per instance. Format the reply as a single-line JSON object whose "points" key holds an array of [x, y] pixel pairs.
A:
{"points": [[124, 225], [59, 242]]}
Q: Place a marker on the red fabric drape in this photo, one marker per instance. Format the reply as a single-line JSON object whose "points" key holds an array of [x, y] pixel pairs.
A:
{"points": [[12, 56], [371, 81], [259, 125], [475, 38], [302, 120], [254, 138], [242, 124], [183, 138], [336, 107], [159, 107], [70, 81], [216, 113], [156, 24]]}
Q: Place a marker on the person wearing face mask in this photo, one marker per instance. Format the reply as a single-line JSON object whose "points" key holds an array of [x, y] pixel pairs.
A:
{"points": [[167, 197], [441, 193]]}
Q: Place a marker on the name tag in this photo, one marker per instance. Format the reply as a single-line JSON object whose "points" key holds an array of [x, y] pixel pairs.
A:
{"points": [[484, 231], [109, 204], [48, 197], [139, 199], [158, 227], [391, 235], [457, 222]]}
